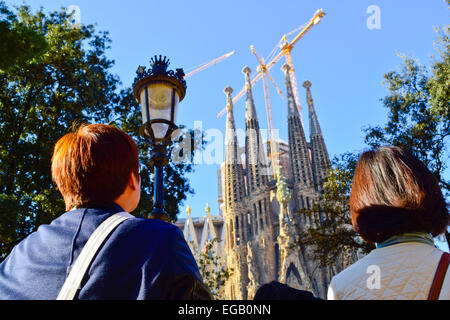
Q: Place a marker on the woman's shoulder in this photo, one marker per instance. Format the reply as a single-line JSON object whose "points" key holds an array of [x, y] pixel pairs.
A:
{"points": [[405, 253], [392, 262]]}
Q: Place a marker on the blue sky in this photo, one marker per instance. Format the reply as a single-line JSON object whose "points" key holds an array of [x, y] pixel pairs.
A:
{"points": [[342, 57]]}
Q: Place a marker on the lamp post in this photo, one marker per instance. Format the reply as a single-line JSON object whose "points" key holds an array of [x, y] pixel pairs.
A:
{"points": [[158, 91]]}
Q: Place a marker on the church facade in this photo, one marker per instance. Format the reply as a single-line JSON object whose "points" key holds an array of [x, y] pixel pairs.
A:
{"points": [[261, 213], [260, 219]]}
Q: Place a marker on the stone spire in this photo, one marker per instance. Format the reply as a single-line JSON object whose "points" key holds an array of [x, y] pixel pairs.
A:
{"points": [[234, 199], [314, 127], [234, 180], [298, 148], [250, 111], [256, 164], [320, 158], [292, 105]]}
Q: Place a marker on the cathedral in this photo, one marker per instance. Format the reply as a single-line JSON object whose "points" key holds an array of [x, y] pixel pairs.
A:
{"points": [[260, 213], [260, 219]]}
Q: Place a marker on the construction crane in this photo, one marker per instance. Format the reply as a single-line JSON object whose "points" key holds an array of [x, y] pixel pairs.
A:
{"points": [[266, 76], [203, 66], [286, 48]]}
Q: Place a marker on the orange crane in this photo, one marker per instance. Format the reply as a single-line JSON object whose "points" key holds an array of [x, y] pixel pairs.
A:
{"points": [[286, 48], [203, 66], [266, 76], [264, 73]]}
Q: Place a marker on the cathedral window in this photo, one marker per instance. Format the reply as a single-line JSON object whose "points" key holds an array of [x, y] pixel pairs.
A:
{"points": [[249, 227], [255, 214], [261, 215], [277, 258], [265, 208], [230, 235]]}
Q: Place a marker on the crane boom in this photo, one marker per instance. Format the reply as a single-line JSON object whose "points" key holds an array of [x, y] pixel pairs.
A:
{"points": [[318, 15], [264, 71], [261, 61], [273, 150], [209, 64], [286, 48], [275, 85], [240, 94]]}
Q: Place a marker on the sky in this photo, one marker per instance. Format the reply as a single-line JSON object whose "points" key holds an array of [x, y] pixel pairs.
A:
{"points": [[344, 57]]}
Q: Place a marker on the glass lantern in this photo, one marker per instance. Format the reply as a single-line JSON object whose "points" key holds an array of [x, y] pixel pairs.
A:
{"points": [[159, 91], [159, 101]]}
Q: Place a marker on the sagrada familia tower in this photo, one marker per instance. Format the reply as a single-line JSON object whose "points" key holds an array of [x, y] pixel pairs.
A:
{"points": [[261, 215], [257, 230]]}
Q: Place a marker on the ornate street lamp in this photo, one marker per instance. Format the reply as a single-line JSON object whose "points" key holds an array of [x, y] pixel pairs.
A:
{"points": [[158, 91]]}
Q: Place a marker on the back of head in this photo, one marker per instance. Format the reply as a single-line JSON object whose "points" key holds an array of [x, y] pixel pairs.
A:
{"points": [[393, 192], [279, 291], [92, 165]]}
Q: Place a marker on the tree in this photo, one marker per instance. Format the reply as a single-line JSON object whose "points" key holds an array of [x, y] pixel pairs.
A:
{"points": [[419, 110], [212, 269], [417, 121], [333, 241], [40, 101], [439, 84], [20, 43]]}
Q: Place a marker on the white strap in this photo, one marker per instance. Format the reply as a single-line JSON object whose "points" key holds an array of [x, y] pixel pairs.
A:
{"points": [[81, 265]]}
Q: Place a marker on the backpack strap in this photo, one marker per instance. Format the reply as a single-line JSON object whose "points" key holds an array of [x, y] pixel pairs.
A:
{"points": [[439, 276], [81, 265]]}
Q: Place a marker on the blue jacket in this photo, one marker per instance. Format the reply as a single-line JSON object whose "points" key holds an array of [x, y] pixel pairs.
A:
{"points": [[141, 259]]}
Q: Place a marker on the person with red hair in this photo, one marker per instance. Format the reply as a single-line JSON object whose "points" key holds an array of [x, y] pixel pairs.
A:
{"points": [[396, 203], [96, 169]]}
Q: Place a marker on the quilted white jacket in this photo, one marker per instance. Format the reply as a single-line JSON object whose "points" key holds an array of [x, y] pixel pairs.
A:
{"points": [[402, 271]]}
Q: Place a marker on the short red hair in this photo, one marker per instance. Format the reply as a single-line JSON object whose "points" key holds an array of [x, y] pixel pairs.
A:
{"points": [[92, 165]]}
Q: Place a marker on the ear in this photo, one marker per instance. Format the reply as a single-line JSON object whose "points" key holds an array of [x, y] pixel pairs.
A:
{"points": [[354, 217], [135, 181]]}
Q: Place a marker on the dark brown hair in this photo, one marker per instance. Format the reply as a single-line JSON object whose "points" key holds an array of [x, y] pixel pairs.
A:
{"points": [[92, 165], [393, 192]]}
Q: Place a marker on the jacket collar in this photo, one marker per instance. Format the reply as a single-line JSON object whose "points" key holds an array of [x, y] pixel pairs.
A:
{"points": [[421, 237], [113, 207]]}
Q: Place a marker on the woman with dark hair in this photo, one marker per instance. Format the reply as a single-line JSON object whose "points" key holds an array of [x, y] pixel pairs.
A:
{"points": [[396, 203], [97, 250]]}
